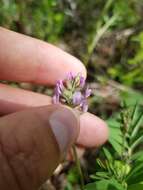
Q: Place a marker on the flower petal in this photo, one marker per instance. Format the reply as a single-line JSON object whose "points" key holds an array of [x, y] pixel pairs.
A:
{"points": [[84, 106], [77, 98], [70, 76], [82, 81], [55, 99], [88, 92]]}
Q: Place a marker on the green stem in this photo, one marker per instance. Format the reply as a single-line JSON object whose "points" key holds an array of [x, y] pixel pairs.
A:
{"points": [[78, 167], [98, 35]]}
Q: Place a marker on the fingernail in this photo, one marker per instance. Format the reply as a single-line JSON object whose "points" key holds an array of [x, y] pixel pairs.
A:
{"points": [[65, 126]]}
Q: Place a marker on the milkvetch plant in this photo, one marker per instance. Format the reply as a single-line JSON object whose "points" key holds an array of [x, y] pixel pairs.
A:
{"points": [[120, 164], [72, 91]]}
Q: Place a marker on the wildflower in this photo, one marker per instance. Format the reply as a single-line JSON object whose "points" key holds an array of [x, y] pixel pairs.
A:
{"points": [[59, 86], [70, 76], [82, 81], [72, 91], [77, 98], [87, 92], [84, 105]]}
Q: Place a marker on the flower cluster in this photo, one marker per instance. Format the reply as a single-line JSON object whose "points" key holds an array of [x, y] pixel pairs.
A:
{"points": [[72, 91]]}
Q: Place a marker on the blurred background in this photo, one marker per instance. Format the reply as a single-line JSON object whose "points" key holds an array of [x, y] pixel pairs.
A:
{"points": [[106, 35]]}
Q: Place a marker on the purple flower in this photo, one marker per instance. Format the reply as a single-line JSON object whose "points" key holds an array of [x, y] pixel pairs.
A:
{"points": [[58, 91], [82, 81], [88, 92], [59, 87], [70, 76], [72, 92], [77, 98], [80, 99], [84, 105], [55, 99]]}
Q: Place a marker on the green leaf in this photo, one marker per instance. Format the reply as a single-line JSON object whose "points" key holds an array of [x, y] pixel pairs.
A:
{"points": [[100, 163], [137, 186], [136, 143], [135, 109], [115, 135], [117, 146], [111, 184], [107, 154], [137, 156], [137, 125], [100, 175], [136, 174]]}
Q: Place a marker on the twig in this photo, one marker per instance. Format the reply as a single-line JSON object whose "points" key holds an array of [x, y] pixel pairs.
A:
{"points": [[78, 167]]}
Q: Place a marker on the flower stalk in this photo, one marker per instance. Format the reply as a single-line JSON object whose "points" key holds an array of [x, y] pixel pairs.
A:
{"points": [[74, 93], [78, 166]]}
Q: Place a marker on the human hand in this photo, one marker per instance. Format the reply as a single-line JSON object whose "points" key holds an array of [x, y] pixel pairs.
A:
{"points": [[33, 140]]}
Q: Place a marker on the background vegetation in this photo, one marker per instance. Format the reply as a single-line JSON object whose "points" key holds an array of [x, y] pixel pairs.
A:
{"points": [[107, 35]]}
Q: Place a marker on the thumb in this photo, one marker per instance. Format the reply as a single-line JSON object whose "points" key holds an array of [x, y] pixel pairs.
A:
{"points": [[32, 143]]}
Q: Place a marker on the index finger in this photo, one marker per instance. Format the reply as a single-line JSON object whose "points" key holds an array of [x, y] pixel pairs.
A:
{"points": [[26, 59]]}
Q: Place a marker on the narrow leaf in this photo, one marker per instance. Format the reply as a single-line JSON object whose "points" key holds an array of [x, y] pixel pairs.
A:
{"points": [[111, 184], [107, 154], [136, 126], [136, 143]]}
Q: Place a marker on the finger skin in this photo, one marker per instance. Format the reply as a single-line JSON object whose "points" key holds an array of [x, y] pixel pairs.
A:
{"points": [[95, 134], [26, 59], [29, 151], [93, 130], [14, 99]]}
